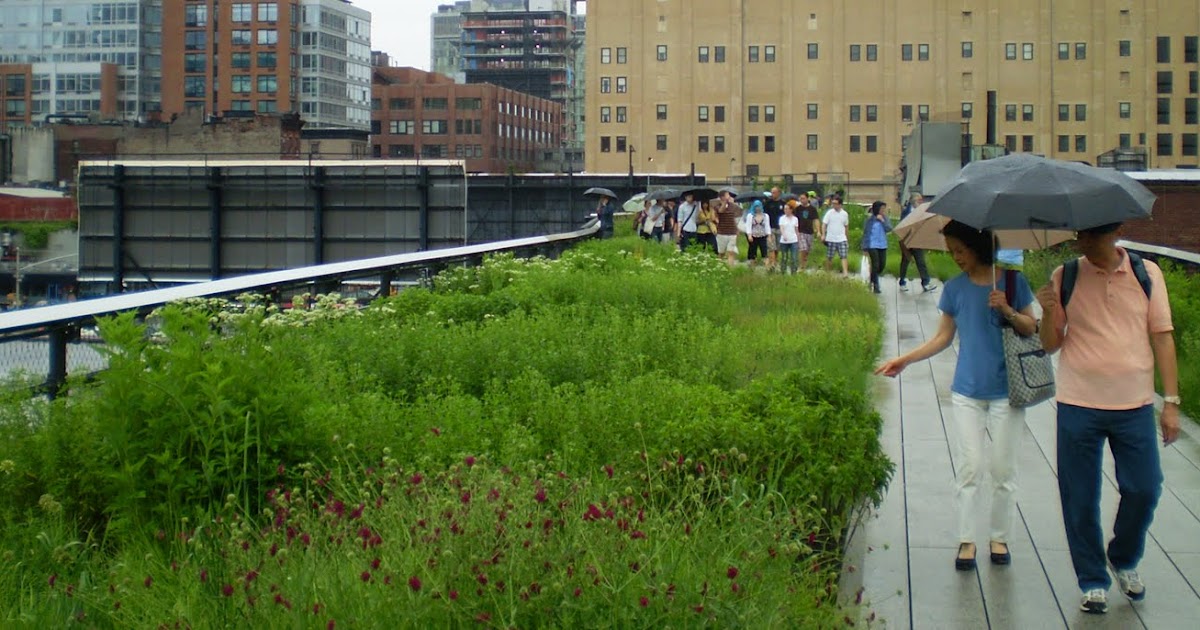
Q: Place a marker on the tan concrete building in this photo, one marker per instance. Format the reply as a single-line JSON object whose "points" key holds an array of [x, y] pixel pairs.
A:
{"points": [[781, 87]]}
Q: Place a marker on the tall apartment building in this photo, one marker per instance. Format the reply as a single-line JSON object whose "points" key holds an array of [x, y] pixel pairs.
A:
{"points": [[531, 46], [770, 87], [428, 115], [84, 57], [335, 64], [446, 39]]}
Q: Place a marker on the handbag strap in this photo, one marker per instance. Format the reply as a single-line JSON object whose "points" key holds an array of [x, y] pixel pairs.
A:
{"points": [[1010, 288]]}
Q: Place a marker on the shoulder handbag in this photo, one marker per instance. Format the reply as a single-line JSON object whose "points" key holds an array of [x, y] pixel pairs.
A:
{"points": [[1030, 372]]}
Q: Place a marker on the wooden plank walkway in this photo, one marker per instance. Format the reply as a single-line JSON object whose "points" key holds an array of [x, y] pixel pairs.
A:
{"points": [[901, 557]]}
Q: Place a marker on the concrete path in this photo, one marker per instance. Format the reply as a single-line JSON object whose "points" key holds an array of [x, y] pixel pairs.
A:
{"points": [[901, 557]]}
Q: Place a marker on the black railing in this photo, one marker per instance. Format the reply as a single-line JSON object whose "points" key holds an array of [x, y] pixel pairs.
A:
{"points": [[42, 336]]}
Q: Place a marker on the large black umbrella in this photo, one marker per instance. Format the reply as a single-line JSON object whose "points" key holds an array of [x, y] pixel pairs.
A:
{"points": [[600, 192], [702, 194], [666, 193], [1024, 191]]}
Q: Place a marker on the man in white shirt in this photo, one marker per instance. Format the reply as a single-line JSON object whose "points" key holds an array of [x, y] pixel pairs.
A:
{"points": [[837, 224], [685, 223]]}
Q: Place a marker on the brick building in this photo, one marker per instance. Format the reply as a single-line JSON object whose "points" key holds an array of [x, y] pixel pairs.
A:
{"points": [[423, 114], [36, 92], [1175, 221]]}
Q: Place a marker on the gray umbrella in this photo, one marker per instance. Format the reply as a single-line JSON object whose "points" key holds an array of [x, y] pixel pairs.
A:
{"points": [[600, 192], [1025, 191], [666, 193]]}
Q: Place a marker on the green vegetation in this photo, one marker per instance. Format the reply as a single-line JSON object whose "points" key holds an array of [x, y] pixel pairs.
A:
{"points": [[36, 234], [623, 437]]}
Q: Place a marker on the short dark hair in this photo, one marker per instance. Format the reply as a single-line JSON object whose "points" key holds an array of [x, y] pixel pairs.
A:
{"points": [[877, 207], [982, 243]]}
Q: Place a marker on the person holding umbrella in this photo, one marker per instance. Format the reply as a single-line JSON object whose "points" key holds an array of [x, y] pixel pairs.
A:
{"points": [[685, 223], [606, 209], [974, 305]]}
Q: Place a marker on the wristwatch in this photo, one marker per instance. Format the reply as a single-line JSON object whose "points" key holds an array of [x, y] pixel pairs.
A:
{"points": [[1172, 400]]}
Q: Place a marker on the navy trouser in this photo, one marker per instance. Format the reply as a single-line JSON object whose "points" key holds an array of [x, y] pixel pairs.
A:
{"points": [[1134, 444]]}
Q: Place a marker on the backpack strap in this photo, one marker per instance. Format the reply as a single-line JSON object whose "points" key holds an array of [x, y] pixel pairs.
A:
{"points": [[1071, 273]]}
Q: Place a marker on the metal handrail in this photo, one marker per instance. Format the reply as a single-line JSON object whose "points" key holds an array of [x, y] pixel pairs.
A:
{"points": [[61, 322], [1158, 250]]}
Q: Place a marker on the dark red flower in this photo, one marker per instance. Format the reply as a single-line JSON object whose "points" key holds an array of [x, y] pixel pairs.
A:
{"points": [[331, 625], [731, 572], [643, 601], [251, 575], [469, 461], [578, 592], [434, 430], [540, 495], [453, 596], [203, 575], [482, 579], [812, 538], [358, 512], [416, 479], [637, 534], [282, 602], [735, 587], [465, 498], [227, 590], [149, 581], [593, 513], [366, 576], [414, 583], [52, 579], [608, 470], [375, 563]]}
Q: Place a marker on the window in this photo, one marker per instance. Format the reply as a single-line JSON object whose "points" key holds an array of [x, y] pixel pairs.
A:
{"points": [[1124, 140], [753, 56], [769, 144], [240, 84], [719, 54], [606, 55], [605, 85], [752, 144], [1027, 112], [1190, 53], [1193, 82], [622, 55], [1080, 51], [242, 12], [922, 52], [855, 113], [769, 54], [195, 40], [1081, 144], [812, 111], [660, 142], [702, 54], [872, 113], [268, 36], [1081, 112], [244, 106], [769, 113], [1027, 51], [1162, 49], [968, 50], [855, 144], [268, 107], [906, 113], [468, 103], [660, 52], [193, 63], [872, 52], [905, 52], [719, 113], [1010, 113], [268, 12], [1165, 144], [241, 37], [702, 113], [400, 103], [1188, 146], [813, 51], [402, 127], [1124, 48], [267, 84], [718, 144], [1027, 144], [872, 144], [855, 52], [923, 113], [1010, 51], [752, 114], [1165, 82], [660, 112], [811, 142], [435, 103], [1064, 51], [1064, 113], [702, 145], [192, 87], [622, 114], [968, 109], [195, 15], [605, 144], [621, 143], [1010, 144], [1164, 111], [622, 85], [239, 59], [1189, 111], [1064, 144], [266, 60], [1125, 109]]}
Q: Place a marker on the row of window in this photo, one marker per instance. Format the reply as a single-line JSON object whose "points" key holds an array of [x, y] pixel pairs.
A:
{"points": [[239, 84]]}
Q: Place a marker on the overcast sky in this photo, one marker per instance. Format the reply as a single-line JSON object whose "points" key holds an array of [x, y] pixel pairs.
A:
{"points": [[401, 28]]}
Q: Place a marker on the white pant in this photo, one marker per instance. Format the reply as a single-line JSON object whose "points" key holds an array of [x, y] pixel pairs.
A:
{"points": [[971, 420]]}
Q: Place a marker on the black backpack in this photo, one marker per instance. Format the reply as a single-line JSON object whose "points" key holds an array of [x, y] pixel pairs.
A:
{"points": [[1071, 273]]}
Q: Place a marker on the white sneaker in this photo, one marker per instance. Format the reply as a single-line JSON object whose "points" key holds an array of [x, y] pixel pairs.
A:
{"points": [[1094, 602], [1130, 583]]}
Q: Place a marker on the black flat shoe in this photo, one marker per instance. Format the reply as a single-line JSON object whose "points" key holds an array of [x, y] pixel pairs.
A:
{"points": [[964, 564], [1002, 558]]}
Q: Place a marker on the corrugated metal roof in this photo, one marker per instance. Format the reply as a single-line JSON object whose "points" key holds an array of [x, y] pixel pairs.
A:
{"points": [[32, 193], [1167, 175]]}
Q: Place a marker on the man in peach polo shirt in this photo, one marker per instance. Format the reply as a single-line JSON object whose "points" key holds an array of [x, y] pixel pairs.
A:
{"points": [[1112, 336]]}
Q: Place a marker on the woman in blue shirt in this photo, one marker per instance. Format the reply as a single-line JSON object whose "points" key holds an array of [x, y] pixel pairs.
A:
{"points": [[975, 307], [875, 242]]}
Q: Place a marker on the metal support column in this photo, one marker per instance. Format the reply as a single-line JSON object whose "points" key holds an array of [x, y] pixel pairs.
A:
{"points": [[214, 222], [385, 283], [57, 375], [318, 188], [423, 192], [118, 253]]}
